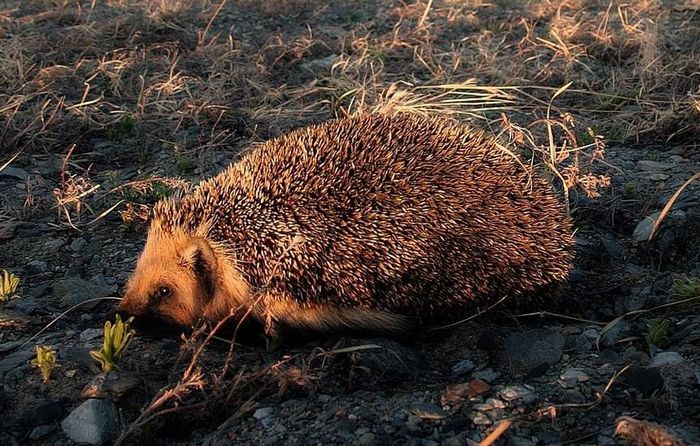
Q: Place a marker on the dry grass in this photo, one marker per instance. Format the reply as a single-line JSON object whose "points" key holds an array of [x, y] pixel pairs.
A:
{"points": [[195, 77]]}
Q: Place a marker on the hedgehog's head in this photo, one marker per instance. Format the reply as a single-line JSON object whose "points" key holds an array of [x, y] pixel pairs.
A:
{"points": [[180, 278]]}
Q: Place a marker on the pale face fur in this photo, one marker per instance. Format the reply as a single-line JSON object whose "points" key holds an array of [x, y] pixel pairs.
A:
{"points": [[182, 278]]}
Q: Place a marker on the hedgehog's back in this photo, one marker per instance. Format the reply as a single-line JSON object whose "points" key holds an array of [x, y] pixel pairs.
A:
{"points": [[420, 217]]}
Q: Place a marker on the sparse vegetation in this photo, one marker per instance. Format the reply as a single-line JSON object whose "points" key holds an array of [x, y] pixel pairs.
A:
{"points": [[657, 336], [8, 286], [45, 361], [116, 338]]}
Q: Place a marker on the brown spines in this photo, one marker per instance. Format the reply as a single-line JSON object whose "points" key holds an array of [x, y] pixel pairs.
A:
{"points": [[418, 217]]}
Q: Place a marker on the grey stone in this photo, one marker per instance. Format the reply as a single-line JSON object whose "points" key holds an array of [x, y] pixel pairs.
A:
{"points": [[74, 290], [666, 359], [578, 343], [41, 431], [615, 333], [518, 396], [90, 333], [96, 421], [480, 419], [35, 267], [519, 441], [264, 416], [428, 411], [653, 166], [488, 375], [643, 229], [14, 172], [321, 64], [572, 377], [78, 244], [637, 300], [529, 351], [15, 359], [367, 439], [386, 360], [463, 367]]}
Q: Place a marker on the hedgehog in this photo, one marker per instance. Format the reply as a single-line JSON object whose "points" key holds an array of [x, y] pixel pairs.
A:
{"points": [[372, 222]]}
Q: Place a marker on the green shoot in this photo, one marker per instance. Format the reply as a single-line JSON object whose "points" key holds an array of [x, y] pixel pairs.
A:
{"points": [[657, 337], [8, 286], [45, 361], [116, 339]]}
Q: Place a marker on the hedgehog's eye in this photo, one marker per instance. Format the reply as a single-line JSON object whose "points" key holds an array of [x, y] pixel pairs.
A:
{"points": [[164, 291]]}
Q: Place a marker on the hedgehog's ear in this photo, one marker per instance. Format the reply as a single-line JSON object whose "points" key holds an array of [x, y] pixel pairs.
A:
{"points": [[200, 258]]}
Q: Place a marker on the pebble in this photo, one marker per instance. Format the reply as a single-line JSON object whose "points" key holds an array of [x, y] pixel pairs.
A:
{"points": [[621, 329], [665, 359], [111, 385], [572, 377], [480, 419], [78, 244], [429, 411], [41, 431], [90, 333], [264, 416], [531, 351], [488, 375], [95, 422], [518, 395], [74, 290], [412, 423], [463, 367], [35, 267], [367, 439], [43, 412]]}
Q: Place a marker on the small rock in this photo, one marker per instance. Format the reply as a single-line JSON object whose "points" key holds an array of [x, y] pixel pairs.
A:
{"points": [[90, 333], [412, 423], [643, 229], [572, 377], [480, 419], [652, 166], [367, 439], [463, 367], [518, 396], [616, 332], [658, 177], [41, 431], [14, 172], [457, 393], [35, 267], [264, 416], [428, 411], [577, 343], [488, 375], [322, 64], [111, 385], [96, 421], [531, 351], [666, 359], [638, 300], [74, 290], [78, 244], [15, 359]]}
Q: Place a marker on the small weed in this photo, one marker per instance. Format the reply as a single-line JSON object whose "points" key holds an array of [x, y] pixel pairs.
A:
{"points": [[657, 336], [116, 339], [45, 361], [8, 286], [183, 163], [684, 289]]}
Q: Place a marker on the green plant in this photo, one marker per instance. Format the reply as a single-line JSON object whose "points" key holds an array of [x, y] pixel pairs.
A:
{"points": [[116, 339], [45, 361], [657, 337], [685, 288], [8, 286]]}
